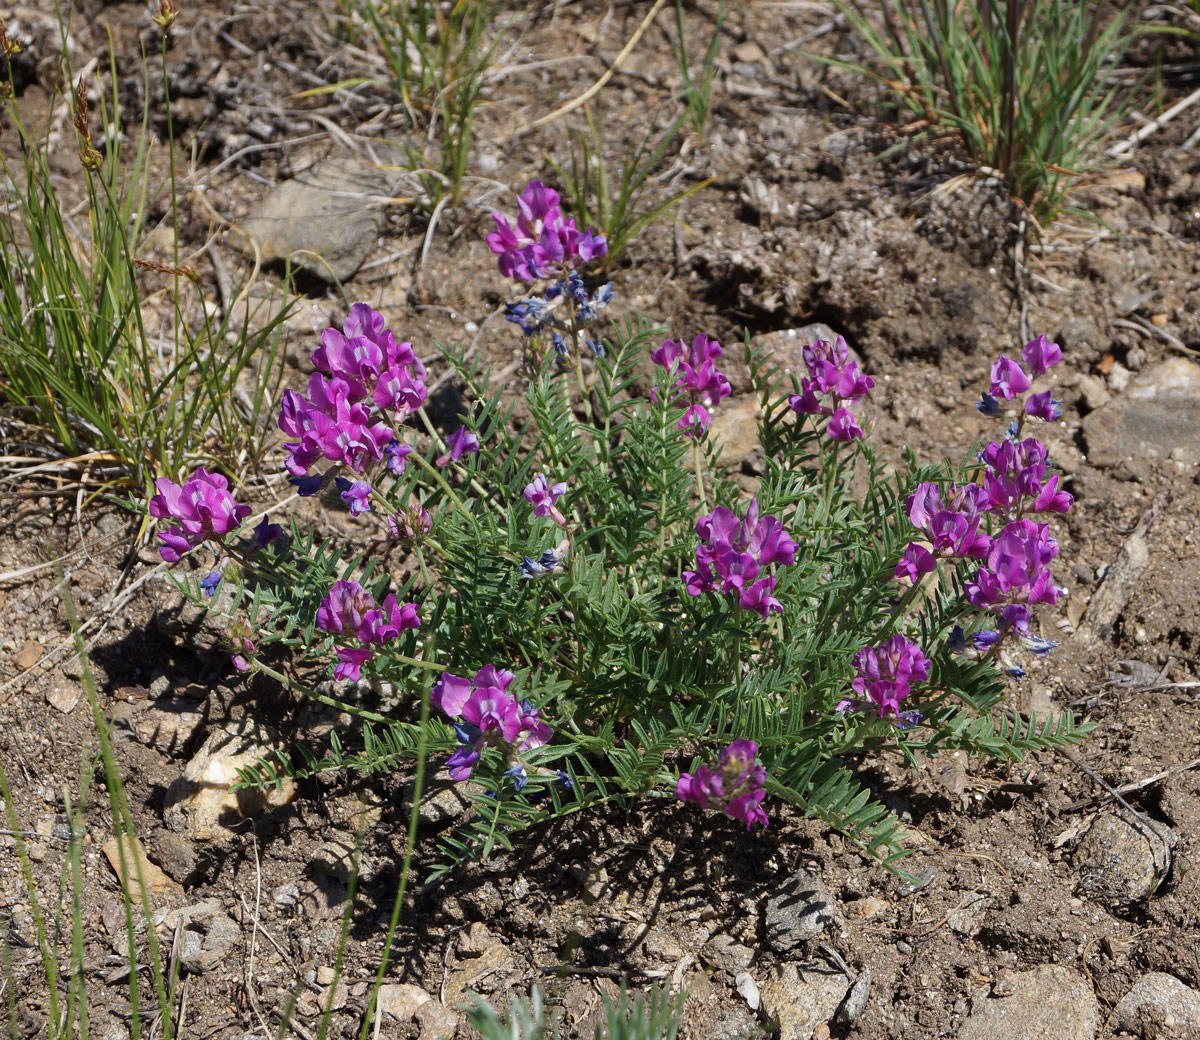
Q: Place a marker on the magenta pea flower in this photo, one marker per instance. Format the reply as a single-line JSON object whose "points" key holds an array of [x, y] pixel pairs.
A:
{"points": [[544, 242], [203, 508], [884, 677], [735, 787], [542, 495], [698, 380], [462, 442], [1043, 406], [356, 494], [484, 714], [360, 368], [1040, 355], [733, 552], [833, 379], [843, 426], [349, 611], [1008, 378]]}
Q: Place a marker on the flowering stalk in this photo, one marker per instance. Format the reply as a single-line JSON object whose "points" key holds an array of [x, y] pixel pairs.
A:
{"points": [[734, 788]]}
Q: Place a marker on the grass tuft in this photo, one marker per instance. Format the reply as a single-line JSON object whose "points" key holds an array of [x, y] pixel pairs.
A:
{"points": [[1024, 85]]}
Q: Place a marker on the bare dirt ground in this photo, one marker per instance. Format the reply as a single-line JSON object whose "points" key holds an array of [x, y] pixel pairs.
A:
{"points": [[807, 220]]}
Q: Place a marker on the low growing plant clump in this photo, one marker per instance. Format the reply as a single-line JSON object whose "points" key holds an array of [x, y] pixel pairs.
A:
{"points": [[591, 610]]}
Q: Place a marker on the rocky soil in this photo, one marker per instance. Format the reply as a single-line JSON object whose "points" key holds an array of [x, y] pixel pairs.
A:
{"points": [[1056, 899]]}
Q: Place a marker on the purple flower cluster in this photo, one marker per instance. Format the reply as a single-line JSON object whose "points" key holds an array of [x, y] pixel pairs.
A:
{"points": [[834, 376], [203, 507], [1014, 570], [1010, 380], [698, 379], [484, 714], [1014, 575], [358, 368], [348, 610], [951, 528], [735, 787], [884, 678], [544, 242], [411, 524], [733, 553], [543, 495]]}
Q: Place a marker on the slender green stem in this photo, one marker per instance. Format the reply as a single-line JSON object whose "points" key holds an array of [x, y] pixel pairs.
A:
{"points": [[455, 499], [698, 464], [410, 845], [334, 702], [421, 565]]}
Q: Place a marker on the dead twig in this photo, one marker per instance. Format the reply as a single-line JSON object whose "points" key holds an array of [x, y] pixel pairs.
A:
{"points": [[1155, 124], [595, 88], [1135, 785]]}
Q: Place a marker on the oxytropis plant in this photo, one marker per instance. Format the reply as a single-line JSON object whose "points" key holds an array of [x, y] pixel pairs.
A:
{"points": [[577, 604]]}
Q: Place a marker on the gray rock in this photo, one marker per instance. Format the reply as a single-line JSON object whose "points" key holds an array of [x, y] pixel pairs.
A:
{"points": [[203, 953], [735, 431], [802, 996], [177, 618], [748, 989], [336, 858], [1049, 1002], [1120, 582], [856, 1000], [968, 919], [1122, 859], [738, 1024], [1076, 331], [401, 1000], [724, 952], [324, 211], [177, 856], [169, 724], [200, 805], [1163, 998], [1093, 391], [799, 911], [440, 806], [1158, 417]]}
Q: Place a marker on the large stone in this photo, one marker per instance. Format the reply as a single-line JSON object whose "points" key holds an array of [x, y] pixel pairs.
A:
{"points": [[323, 211], [1163, 997], [801, 997], [1121, 581], [735, 432], [200, 804], [1158, 417], [1049, 1002], [799, 911], [1120, 860], [138, 875]]}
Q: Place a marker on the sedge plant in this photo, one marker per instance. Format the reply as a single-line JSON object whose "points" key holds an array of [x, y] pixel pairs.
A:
{"points": [[617, 205], [577, 605], [1023, 84], [697, 83], [79, 360], [437, 56]]}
